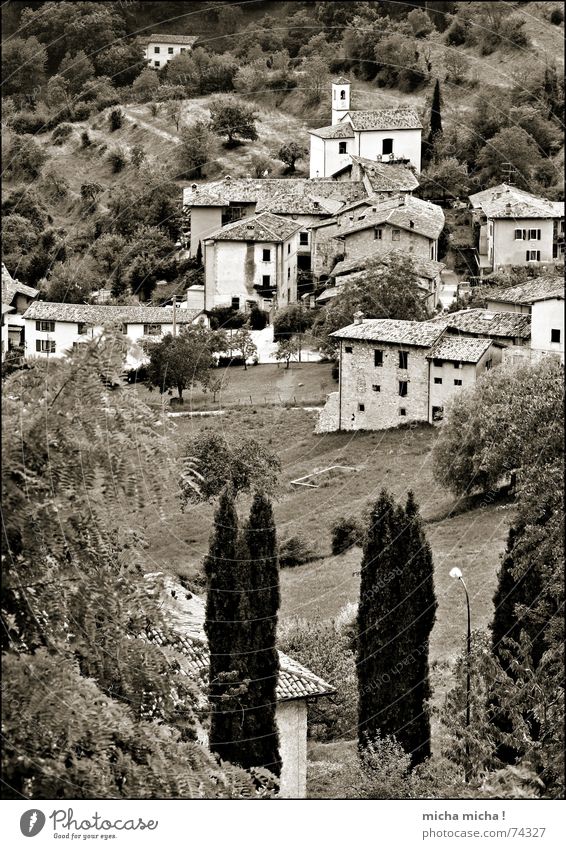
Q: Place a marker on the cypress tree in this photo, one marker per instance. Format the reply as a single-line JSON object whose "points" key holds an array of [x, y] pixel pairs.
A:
{"points": [[435, 124]]}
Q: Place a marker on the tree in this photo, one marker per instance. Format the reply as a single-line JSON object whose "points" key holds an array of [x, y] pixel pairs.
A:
{"points": [[182, 361], [243, 342], [230, 118], [511, 145], [145, 86], [290, 152], [182, 70], [23, 68], [195, 149], [435, 130], [420, 23], [175, 112], [25, 158], [115, 119], [262, 165], [290, 320], [77, 70], [446, 177], [243, 463], [122, 62], [395, 618], [286, 350], [71, 285]]}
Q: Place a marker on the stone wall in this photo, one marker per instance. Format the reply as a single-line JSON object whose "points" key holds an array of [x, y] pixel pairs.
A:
{"points": [[291, 719]]}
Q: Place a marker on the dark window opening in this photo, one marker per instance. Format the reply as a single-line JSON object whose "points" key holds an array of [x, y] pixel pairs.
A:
{"points": [[437, 414], [395, 235], [402, 411], [361, 408], [488, 364], [438, 380], [81, 327], [555, 335], [437, 363], [387, 146], [403, 359], [266, 255], [348, 349], [235, 303], [45, 326], [343, 94], [378, 233], [378, 358], [303, 238], [403, 388], [376, 387], [266, 279], [342, 147], [457, 383]]}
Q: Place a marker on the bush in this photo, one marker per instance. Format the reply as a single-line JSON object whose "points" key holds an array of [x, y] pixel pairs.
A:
{"points": [[226, 318], [456, 35], [115, 119], [24, 123], [81, 111], [556, 17], [117, 160], [61, 133], [290, 321], [294, 552], [258, 318], [85, 139], [345, 534]]}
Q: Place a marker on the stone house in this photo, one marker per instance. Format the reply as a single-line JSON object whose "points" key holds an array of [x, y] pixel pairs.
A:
{"points": [[252, 261], [296, 685], [516, 228], [161, 48], [16, 298], [52, 329], [393, 134], [393, 372]]}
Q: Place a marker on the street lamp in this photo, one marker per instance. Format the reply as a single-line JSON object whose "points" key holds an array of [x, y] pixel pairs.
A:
{"points": [[457, 573]]}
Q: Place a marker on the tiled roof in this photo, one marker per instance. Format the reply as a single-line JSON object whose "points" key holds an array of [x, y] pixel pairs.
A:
{"points": [[11, 288], [459, 349], [334, 131], [264, 227], [100, 314], [486, 323], [166, 38], [539, 289], [505, 201], [428, 268], [186, 616], [341, 81], [387, 176], [282, 197], [419, 333], [401, 118], [7, 308], [407, 212]]}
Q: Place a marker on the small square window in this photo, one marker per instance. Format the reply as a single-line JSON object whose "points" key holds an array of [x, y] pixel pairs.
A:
{"points": [[170, 51], [157, 64], [403, 388], [378, 358], [182, 50], [361, 408], [395, 235], [488, 364], [555, 335], [266, 255], [534, 234], [81, 328], [438, 380], [376, 387], [152, 330], [378, 233], [45, 346], [342, 147], [457, 365], [235, 303], [437, 363], [457, 383], [157, 50], [45, 326], [348, 349], [266, 279], [519, 235], [402, 411], [403, 359], [303, 238]]}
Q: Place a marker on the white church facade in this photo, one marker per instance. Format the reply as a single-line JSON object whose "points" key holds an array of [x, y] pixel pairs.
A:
{"points": [[377, 134]]}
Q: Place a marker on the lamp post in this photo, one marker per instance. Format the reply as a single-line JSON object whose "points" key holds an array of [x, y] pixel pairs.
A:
{"points": [[457, 573]]}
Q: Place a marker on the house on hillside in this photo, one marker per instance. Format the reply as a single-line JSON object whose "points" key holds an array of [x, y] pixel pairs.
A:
{"points": [[517, 228], [53, 329], [392, 372], [375, 134], [161, 48], [541, 299], [16, 298], [209, 207], [187, 645], [252, 262]]}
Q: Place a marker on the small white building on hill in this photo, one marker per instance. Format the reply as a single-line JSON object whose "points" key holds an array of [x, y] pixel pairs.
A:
{"points": [[160, 48]]}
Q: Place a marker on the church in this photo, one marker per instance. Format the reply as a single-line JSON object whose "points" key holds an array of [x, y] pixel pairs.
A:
{"points": [[389, 135]]}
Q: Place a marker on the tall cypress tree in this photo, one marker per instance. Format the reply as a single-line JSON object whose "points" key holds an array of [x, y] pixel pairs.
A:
{"points": [[435, 124], [396, 615]]}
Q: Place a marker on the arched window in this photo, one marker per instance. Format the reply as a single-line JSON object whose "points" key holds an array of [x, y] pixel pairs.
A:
{"points": [[343, 95], [387, 146]]}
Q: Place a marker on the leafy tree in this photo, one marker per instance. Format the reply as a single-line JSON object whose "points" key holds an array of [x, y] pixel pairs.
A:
{"points": [[145, 86], [25, 158], [230, 118], [23, 68], [77, 70], [182, 70], [90, 192], [71, 284], [58, 92], [262, 166], [445, 176], [295, 551], [286, 350], [243, 464], [243, 342], [182, 361], [115, 119], [175, 112], [420, 23], [122, 62], [345, 534], [290, 152], [195, 149], [511, 145]]}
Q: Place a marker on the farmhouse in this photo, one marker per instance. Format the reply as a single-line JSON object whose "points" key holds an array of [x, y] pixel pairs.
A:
{"points": [[161, 48], [16, 298], [517, 228], [53, 329], [379, 134], [187, 644], [252, 262], [213, 205], [393, 372]]}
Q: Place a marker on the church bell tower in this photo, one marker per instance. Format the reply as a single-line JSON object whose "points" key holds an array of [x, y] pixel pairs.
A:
{"points": [[340, 98]]}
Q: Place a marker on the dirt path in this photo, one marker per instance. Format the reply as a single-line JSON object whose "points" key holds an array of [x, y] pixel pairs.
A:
{"points": [[135, 119]]}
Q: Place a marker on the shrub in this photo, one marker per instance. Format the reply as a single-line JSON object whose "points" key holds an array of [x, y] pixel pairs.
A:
{"points": [[115, 119], [85, 139], [226, 318], [81, 111], [117, 160], [291, 320], [258, 318], [61, 133], [24, 123], [345, 534], [294, 552], [556, 17], [456, 35]]}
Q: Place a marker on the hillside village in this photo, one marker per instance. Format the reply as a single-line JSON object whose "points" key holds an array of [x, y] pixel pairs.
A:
{"points": [[171, 297]]}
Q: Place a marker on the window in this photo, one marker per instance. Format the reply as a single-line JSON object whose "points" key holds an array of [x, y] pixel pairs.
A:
{"points": [[387, 146], [457, 383], [533, 256], [235, 303], [403, 359], [303, 238], [438, 380], [488, 364], [402, 411], [520, 234], [376, 387], [45, 346], [156, 49], [348, 349], [289, 248], [343, 95], [361, 408], [437, 363], [45, 326], [437, 413], [378, 358], [288, 296], [156, 64], [152, 330], [342, 147], [81, 328], [266, 279], [170, 51], [288, 274], [555, 335], [534, 234], [266, 254], [378, 233], [403, 388], [124, 328], [395, 235], [182, 50], [457, 365]]}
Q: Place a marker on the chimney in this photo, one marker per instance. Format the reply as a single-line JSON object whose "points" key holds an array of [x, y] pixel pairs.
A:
{"points": [[358, 317], [228, 177], [194, 187], [411, 224]]}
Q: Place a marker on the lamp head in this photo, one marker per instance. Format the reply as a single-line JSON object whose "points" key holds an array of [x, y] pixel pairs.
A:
{"points": [[456, 573]]}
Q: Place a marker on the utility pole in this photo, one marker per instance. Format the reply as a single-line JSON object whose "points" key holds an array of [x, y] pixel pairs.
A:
{"points": [[174, 315]]}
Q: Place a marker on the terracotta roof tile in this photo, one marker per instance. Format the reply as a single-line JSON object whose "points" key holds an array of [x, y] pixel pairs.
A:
{"points": [[428, 268], [407, 212], [539, 289], [102, 314], [265, 227], [505, 201], [282, 197], [419, 333], [459, 349], [334, 131], [486, 323], [401, 118], [167, 38]]}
